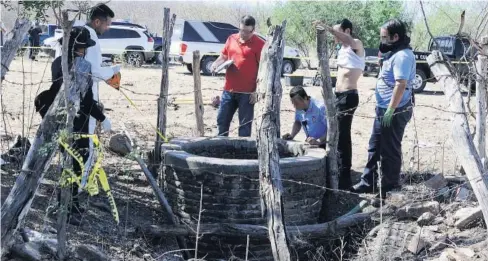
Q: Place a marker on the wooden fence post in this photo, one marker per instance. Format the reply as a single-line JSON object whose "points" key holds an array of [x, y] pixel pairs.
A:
{"points": [[198, 93], [9, 49], [269, 96], [482, 101], [329, 99], [461, 135], [168, 25], [481, 104], [38, 159], [70, 96]]}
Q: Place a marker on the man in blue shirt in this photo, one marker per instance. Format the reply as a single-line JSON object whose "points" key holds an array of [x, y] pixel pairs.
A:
{"points": [[394, 105], [310, 114]]}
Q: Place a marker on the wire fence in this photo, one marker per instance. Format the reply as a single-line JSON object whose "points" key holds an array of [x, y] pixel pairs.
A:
{"points": [[133, 196]]}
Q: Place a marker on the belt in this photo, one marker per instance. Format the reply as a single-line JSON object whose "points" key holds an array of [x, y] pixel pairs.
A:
{"points": [[348, 92]]}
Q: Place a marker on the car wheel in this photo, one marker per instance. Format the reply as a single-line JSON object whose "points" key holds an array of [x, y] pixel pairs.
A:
{"points": [[287, 67], [135, 59], [419, 82], [159, 56], [189, 67], [207, 65]]}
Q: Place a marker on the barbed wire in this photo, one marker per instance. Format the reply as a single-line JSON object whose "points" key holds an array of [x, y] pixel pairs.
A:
{"points": [[92, 224]]}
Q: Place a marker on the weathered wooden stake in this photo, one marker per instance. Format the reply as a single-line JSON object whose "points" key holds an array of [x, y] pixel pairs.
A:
{"points": [[198, 93], [9, 49], [269, 97], [461, 135], [71, 113], [173, 220], [38, 159], [168, 24], [329, 98], [482, 102]]}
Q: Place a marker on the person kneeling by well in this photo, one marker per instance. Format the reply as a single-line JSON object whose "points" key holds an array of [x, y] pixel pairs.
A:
{"points": [[310, 114]]}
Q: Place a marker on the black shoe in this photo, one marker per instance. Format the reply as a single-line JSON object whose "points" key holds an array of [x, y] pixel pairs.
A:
{"points": [[363, 187]]}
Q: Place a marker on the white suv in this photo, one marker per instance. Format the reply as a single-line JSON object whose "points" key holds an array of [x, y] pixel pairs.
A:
{"points": [[133, 43], [209, 38]]}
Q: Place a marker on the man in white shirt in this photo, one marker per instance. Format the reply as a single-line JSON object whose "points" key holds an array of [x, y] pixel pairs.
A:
{"points": [[100, 19]]}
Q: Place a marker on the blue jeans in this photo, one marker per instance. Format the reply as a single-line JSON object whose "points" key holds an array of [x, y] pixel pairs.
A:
{"points": [[385, 145], [229, 103]]}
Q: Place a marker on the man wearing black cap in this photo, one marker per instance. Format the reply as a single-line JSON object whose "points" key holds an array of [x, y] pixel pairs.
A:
{"points": [[100, 18], [78, 43]]}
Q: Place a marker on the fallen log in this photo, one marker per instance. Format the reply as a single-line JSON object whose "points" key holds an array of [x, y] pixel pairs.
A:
{"points": [[296, 234], [461, 135]]}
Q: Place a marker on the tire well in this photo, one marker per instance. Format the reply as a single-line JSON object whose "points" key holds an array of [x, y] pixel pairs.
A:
{"points": [[135, 47], [424, 68], [296, 62], [205, 56]]}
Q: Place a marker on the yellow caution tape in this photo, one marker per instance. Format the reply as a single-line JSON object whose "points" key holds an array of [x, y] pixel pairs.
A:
{"points": [[96, 175], [217, 54], [137, 108]]}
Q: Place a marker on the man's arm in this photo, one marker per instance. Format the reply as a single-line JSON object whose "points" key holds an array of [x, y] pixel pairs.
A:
{"points": [[400, 86], [222, 58], [99, 73], [224, 55], [346, 39], [297, 126]]}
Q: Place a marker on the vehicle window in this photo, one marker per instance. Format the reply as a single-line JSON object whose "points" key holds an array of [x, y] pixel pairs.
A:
{"points": [[148, 34], [221, 31], [190, 34], [177, 32], [446, 45], [463, 48], [131, 34], [112, 33], [115, 33]]}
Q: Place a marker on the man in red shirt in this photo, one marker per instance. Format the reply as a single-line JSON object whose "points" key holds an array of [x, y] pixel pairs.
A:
{"points": [[244, 49]]}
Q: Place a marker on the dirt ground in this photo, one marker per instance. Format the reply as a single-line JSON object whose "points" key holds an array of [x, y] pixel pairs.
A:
{"points": [[136, 203]]}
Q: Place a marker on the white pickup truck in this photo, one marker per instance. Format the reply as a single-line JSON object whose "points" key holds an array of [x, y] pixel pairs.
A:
{"points": [[209, 38]]}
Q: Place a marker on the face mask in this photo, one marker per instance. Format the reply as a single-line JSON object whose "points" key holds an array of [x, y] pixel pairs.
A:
{"points": [[386, 47], [398, 45]]}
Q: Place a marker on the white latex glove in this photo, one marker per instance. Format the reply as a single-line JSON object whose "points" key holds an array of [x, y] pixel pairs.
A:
{"points": [[106, 125], [116, 68]]}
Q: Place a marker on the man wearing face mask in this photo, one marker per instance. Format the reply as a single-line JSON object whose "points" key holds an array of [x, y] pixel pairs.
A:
{"points": [[350, 66], [393, 110], [244, 49]]}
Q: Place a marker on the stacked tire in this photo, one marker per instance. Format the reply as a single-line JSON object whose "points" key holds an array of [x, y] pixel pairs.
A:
{"points": [[227, 170]]}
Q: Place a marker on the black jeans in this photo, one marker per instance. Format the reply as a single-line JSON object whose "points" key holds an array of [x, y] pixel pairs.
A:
{"points": [[346, 103], [385, 145]]}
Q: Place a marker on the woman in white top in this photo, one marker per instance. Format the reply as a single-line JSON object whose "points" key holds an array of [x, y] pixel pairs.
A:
{"points": [[350, 66]]}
